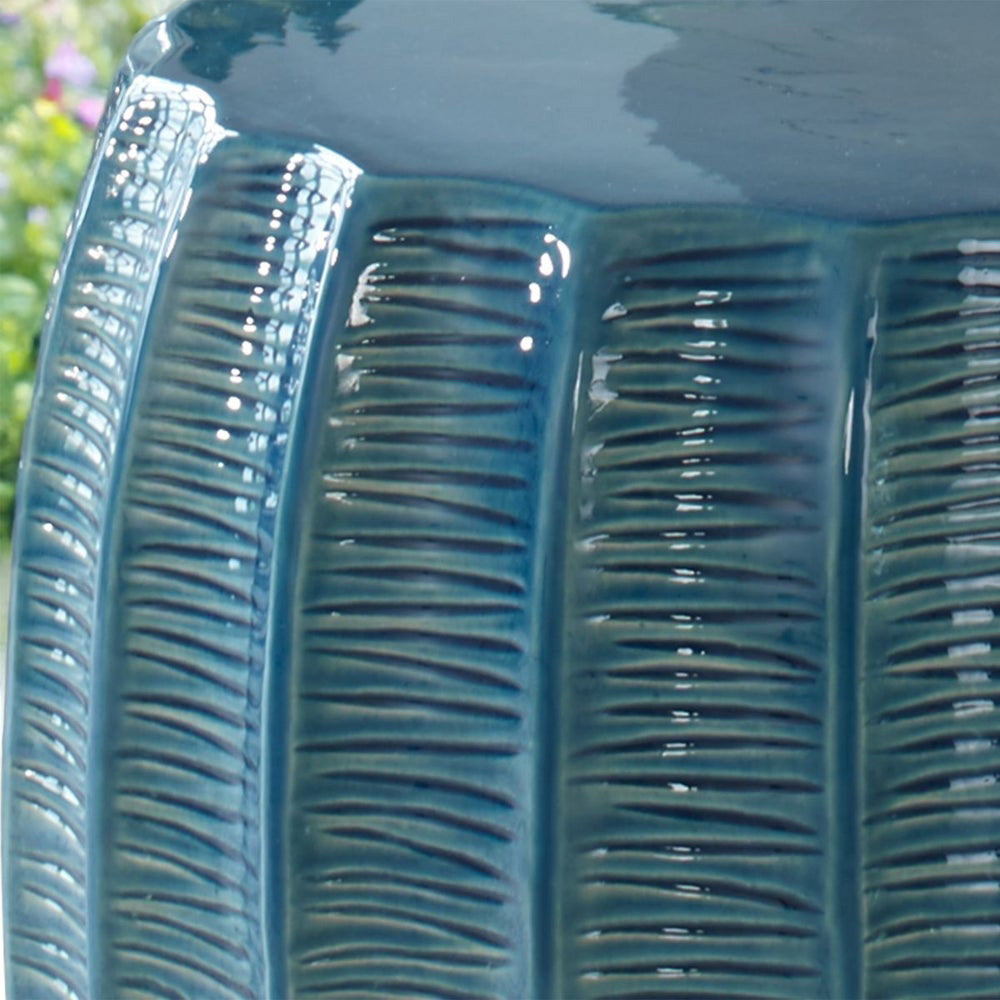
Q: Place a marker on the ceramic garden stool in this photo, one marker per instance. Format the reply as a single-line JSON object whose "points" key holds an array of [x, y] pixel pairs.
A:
{"points": [[512, 509]]}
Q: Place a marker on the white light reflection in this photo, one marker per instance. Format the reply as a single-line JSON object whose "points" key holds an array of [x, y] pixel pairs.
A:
{"points": [[547, 266], [848, 432], [364, 292], [599, 392], [565, 257]]}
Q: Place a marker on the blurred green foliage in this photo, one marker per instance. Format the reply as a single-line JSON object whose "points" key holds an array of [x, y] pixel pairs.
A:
{"points": [[57, 60]]}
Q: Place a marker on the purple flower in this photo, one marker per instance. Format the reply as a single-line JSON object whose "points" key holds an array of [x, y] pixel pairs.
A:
{"points": [[89, 111], [8, 19], [70, 65]]}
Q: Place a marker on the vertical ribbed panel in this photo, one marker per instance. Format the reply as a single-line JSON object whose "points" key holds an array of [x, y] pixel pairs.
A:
{"points": [[138, 181], [692, 818], [498, 597], [187, 595], [415, 666], [932, 561]]}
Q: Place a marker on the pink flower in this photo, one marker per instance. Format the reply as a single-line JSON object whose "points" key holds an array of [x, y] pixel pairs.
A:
{"points": [[89, 111], [70, 65], [52, 91]]}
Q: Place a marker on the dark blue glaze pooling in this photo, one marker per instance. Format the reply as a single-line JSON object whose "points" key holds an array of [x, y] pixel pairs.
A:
{"points": [[510, 510]]}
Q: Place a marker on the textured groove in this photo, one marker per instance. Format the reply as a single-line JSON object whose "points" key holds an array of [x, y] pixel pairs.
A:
{"points": [[188, 631], [415, 662], [932, 861], [693, 816], [140, 172]]}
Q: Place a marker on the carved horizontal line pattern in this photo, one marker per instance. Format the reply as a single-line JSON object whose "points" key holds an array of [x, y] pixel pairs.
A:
{"points": [[693, 757], [416, 661], [932, 544], [188, 633], [96, 324], [439, 588]]}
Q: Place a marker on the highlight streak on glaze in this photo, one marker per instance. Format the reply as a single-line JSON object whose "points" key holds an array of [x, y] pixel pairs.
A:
{"points": [[415, 666], [693, 814], [932, 551], [95, 331], [188, 626]]}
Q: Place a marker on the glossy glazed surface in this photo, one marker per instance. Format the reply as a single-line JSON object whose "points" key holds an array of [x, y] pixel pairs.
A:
{"points": [[848, 109], [436, 585]]}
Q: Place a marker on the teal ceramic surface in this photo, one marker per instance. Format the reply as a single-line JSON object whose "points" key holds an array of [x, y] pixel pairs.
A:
{"points": [[511, 510]]}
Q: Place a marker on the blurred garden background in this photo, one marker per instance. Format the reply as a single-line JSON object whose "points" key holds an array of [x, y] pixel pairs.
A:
{"points": [[57, 60]]}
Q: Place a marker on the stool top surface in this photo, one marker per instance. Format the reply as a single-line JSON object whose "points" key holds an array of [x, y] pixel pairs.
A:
{"points": [[849, 110]]}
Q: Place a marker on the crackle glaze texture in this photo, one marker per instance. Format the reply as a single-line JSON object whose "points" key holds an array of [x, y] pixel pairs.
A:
{"points": [[512, 509]]}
